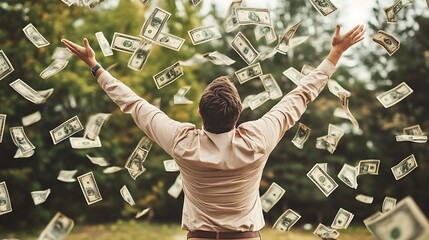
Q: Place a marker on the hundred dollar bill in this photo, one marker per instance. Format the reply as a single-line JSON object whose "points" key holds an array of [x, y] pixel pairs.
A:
{"points": [[296, 41], [306, 69], [335, 88], [394, 95], [61, 54], [142, 213], [294, 75], [5, 204], [176, 188], [30, 119], [286, 220], [168, 75], [126, 195], [66, 129], [112, 169], [325, 232], [267, 53], [413, 130], [246, 16], [2, 125], [40, 196], [405, 221], [271, 86], [369, 166], [100, 161], [94, 124], [344, 100], [250, 72], [29, 93], [5, 66], [394, 9], [84, 143], [388, 204], [246, 100], [244, 48], [55, 67], [404, 167], [195, 60], [58, 228], [179, 97], [271, 196], [140, 57], [412, 138], [390, 43], [301, 136], [125, 43], [364, 198], [104, 44], [204, 34], [322, 180], [34, 36], [348, 175], [89, 188], [218, 58], [153, 26], [284, 45], [67, 175], [171, 166], [20, 139], [169, 41], [324, 7], [20, 154], [342, 219], [259, 99]]}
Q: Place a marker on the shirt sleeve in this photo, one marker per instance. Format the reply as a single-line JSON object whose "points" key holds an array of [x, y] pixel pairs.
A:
{"points": [[273, 125], [152, 121]]}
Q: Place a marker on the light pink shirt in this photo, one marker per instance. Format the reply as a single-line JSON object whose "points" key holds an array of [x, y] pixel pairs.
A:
{"points": [[221, 173]]}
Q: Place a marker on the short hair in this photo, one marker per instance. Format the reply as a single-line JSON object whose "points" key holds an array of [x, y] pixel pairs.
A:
{"points": [[220, 106]]}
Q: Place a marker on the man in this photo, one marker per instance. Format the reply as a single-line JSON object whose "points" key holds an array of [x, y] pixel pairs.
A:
{"points": [[221, 165]]}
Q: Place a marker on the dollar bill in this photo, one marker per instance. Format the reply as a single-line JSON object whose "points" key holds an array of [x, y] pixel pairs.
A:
{"points": [[259, 99], [5, 66], [326, 142], [67, 175], [344, 100], [69, 2], [29, 119], [234, 4], [58, 228], [404, 167], [20, 139], [294, 75], [412, 138], [322, 180], [218, 58], [247, 73], [405, 221], [169, 41], [100, 161], [340, 113], [231, 23], [176, 188], [323, 166], [335, 88], [140, 57], [390, 43], [394, 95], [66, 129], [414, 130], [267, 53], [348, 175], [246, 100], [283, 46], [204, 34], [126, 195], [271, 86], [104, 44], [324, 7], [195, 60], [335, 132], [61, 53], [394, 9], [2, 125], [37, 97], [84, 143], [94, 124], [168, 75], [388, 204], [34, 36], [40, 196], [112, 169], [271, 196], [125, 43], [145, 143], [171, 166], [89, 188], [271, 36], [369, 166], [179, 97], [370, 218], [364, 198], [5, 204], [306, 69], [153, 26], [136, 159], [142, 212], [196, 2], [301, 136], [20, 154], [296, 41], [260, 31], [244, 48], [286, 220], [55, 67], [325, 232], [246, 16], [342, 220], [144, 2]]}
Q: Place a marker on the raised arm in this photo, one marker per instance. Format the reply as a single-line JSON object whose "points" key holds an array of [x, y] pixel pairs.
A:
{"points": [[284, 114]]}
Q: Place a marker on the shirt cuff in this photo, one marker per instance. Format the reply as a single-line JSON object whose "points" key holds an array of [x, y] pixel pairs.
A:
{"points": [[104, 78], [327, 67]]}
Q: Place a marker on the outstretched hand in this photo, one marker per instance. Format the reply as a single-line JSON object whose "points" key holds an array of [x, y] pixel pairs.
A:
{"points": [[340, 43], [85, 53]]}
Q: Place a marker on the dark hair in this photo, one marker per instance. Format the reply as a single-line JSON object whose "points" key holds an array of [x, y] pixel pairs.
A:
{"points": [[220, 106]]}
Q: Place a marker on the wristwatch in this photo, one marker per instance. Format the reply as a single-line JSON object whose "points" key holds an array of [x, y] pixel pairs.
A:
{"points": [[95, 68]]}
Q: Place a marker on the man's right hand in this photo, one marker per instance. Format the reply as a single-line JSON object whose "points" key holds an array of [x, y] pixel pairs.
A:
{"points": [[86, 53], [340, 43]]}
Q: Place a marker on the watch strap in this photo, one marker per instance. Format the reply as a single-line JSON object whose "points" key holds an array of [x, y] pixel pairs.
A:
{"points": [[95, 68]]}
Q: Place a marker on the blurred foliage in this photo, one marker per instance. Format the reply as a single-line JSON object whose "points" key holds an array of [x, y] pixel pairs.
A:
{"points": [[287, 165]]}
